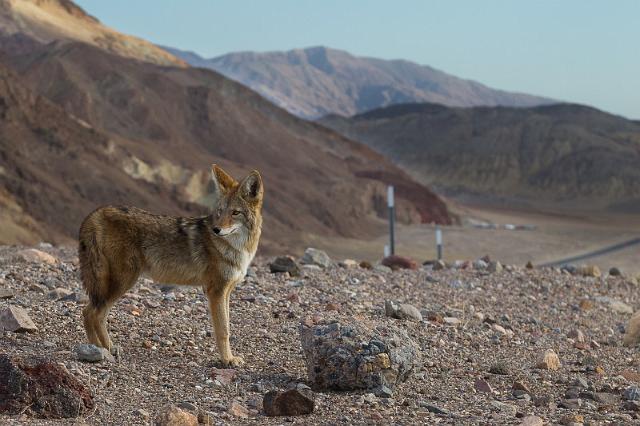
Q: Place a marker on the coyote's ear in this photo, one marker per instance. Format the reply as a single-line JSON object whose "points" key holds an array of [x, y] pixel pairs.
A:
{"points": [[251, 187], [222, 182]]}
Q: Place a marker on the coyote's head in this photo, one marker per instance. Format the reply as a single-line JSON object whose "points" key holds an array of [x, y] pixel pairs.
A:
{"points": [[238, 204]]}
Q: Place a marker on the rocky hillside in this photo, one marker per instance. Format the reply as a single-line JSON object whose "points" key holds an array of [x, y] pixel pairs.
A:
{"points": [[465, 345], [160, 129], [561, 154], [51, 20], [317, 81]]}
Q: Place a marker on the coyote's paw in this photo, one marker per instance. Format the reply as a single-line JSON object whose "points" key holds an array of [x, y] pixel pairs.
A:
{"points": [[234, 361]]}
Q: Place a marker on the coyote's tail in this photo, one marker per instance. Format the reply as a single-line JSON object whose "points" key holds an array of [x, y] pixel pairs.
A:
{"points": [[94, 267]]}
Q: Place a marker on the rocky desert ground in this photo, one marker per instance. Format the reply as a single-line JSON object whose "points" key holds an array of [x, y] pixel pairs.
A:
{"points": [[487, 344]]}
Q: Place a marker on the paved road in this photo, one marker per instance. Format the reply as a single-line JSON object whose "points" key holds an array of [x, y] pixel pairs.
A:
{"points": [[595, 253]]}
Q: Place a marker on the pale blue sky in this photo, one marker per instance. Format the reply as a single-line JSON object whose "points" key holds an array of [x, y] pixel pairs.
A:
{"points": [[582, 51]]}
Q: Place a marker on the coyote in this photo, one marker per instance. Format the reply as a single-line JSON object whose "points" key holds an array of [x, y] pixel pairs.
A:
{"points": [[117, 244]]}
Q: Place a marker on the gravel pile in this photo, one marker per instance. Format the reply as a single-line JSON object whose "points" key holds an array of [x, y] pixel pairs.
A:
{"points": [[507, 345]]}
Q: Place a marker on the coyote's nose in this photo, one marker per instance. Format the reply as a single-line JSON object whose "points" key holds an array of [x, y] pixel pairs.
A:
{"points": [[216, 230]]}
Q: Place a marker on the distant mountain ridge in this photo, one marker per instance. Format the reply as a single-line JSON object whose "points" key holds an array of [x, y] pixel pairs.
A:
{"points": [[317, 81], [559, 155]]}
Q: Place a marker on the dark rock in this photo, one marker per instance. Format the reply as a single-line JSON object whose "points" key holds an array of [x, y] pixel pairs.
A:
{"points": [[357, 355], [366, 265], [632, 393], [41, 387], [285, 264], [296, 401], [499, 368], [396, 262], [615, 272]]}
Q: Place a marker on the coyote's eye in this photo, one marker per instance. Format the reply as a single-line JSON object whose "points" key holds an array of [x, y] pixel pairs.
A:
{"points": [[235, 212]]}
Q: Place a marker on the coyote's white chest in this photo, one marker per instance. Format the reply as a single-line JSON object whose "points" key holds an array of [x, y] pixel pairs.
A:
{"points": [[241, 258]]}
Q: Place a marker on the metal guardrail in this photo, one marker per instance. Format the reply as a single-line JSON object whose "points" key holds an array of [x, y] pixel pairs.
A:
{"points": [[595, 253]]}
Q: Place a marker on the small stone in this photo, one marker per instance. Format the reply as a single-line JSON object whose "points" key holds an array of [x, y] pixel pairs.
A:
{"points": [[632, 405], [140, 412], [482, 385], [317, 257], [383, 391], [451, 320], [188, 406], [576, 335], [499, 368], [332, 307], [585, 304], [615, 272], [439, 265], [401, 311], [632, 332], [571, 404], [521, 386], [589, 271], [399, 262], [632, 393], [366, 265], [58, 293], [238, 410], [174, 416], [572, 419], [620, 307], [508, 409], [224, 376], [91, 353], [36, 256], [16, 320], [285, 264], [548, 360], [532, 421], [495, 266], [606, 398], [296, 401], [348, 264], [480, 264], [529, 265], [5, 294]]}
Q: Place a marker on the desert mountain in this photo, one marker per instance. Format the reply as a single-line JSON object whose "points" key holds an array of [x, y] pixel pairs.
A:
{"points": [[317, 81], [151, 132], [49, 20], [562, 154]]}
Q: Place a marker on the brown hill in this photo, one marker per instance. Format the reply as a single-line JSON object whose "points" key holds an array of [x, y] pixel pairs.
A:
{"points": [[317, 81], [54, 169], [160, 127], [50, 20], [565, 155]]}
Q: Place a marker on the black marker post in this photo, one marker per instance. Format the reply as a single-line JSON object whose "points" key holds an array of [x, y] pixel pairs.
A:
{"points": [[392, 217]]}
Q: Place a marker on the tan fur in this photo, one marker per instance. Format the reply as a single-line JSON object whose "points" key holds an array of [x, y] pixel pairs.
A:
{"points": [[118, 244]]}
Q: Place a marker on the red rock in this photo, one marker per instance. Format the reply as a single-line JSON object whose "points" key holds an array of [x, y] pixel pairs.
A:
{"points": [[42, 387], [238, 410], [297, 401], [174, 416], [16, 320], [396, 262], [223, 375]]}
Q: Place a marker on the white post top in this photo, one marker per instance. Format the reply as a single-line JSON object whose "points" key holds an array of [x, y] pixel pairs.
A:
{"points": [[387, 251], [390, 196], [438, 236]]}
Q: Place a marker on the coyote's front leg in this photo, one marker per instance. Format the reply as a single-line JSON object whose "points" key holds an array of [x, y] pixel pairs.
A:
{"points": [[219, 306]]}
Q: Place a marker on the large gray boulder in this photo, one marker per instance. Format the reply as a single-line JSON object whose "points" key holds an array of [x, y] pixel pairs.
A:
{"points": [[316, 257], [347, 355]]}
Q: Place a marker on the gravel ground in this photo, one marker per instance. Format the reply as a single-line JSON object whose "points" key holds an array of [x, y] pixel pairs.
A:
{"points": [[482, 332]]}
